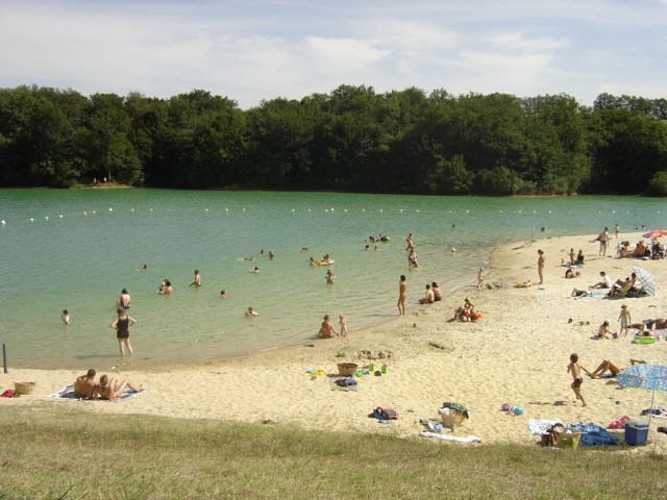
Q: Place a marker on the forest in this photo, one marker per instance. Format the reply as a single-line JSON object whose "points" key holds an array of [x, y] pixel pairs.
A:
{"points": [[351, 139]]}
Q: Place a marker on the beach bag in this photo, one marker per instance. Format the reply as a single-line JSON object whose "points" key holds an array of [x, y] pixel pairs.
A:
{"points": [[384, 413]]}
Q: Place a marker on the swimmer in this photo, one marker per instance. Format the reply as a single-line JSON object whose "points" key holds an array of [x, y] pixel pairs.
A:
{"points": [[255, 270], [196, 282], [330, 277], [64, 317], [251, 313], [224, 294]]}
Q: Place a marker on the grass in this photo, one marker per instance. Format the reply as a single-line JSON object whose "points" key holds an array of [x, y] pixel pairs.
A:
{"points": [[56, 451]]}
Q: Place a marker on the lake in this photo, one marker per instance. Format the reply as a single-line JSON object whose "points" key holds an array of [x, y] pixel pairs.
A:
{"points": [[76, 249]]}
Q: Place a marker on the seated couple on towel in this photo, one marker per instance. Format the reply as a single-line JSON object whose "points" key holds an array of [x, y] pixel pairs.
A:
{"points": [[107, 388]]}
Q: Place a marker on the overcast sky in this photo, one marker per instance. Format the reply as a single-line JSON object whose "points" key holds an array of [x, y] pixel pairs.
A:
{"points": [[250, 50]]}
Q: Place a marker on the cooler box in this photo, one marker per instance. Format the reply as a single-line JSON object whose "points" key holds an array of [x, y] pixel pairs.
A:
{"points": [[636, 432]]}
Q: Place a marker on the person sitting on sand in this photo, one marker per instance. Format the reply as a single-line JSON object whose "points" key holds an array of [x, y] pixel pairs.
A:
{"points": [[429, 297], [603, 331], [608, 366], [327, 329], [622, 287], [111, 389], [85, 385], [605, 281], [466, 312], [437, 292]]}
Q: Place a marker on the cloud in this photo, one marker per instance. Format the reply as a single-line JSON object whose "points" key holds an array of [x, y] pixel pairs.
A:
{"points": [[260, 49]]}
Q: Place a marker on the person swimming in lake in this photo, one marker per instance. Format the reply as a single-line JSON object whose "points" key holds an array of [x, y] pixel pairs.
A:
{"points": [[330, 277], [251, 313]]}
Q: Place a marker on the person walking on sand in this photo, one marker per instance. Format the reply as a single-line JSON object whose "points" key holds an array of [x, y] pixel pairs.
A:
{"points": [[625, 318], [402, 295], [480, 278], [342, 321], [122, 326], [540, 265], [575, 369]]}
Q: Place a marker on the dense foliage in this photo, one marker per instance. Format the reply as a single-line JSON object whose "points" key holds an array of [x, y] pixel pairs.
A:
{"points": [[349, 140]]}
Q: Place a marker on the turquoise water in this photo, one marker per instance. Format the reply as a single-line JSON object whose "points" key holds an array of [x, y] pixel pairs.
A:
{"points": [[77, 249]]}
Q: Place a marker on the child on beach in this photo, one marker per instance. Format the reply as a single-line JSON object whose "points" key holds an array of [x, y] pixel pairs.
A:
{"points": [[342, 320], [575, 369], [603, 331], [625, 319]]}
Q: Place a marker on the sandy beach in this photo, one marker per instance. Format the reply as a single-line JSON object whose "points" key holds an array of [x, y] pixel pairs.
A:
{"points": [[517, 353]]}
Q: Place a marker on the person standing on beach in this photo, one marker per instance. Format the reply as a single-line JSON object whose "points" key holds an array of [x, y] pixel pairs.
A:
{"points": [[122, 326], [617, 230], [625, 318], [402, 295], [196, 282], [480, 278], [540, 265], [575, 369], [342, 320], [603, 238]]}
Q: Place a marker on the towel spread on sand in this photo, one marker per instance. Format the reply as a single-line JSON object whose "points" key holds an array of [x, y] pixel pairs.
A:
{"points": [[449, 437], [68, 394], [540, 427]]}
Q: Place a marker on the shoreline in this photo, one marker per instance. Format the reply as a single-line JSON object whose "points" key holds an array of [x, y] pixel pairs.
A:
{"points": [[516, 354]]}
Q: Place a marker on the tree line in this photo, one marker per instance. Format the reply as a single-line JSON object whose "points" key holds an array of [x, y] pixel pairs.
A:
{"points": [[352, 139]]}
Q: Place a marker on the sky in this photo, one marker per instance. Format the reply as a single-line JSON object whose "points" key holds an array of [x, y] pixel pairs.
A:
{"points": [[255, 50]]}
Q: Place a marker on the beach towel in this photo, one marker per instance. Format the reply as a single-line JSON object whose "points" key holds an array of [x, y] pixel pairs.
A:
{"points": [[449, 437], [542, 426], [594, 435], [68, 394]]}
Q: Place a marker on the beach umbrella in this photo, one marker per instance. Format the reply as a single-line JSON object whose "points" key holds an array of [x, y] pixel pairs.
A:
{"points": [[656, 233], [646, 280], [650, 377]]}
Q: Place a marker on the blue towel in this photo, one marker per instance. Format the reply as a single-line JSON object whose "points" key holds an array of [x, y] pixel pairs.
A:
{"points": [[594, 435]]}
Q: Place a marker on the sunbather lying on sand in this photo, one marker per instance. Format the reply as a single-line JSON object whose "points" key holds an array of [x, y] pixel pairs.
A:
{"points": [[608, 366]]}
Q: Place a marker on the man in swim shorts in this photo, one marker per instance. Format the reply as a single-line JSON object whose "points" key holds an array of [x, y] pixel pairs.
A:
{"points": [[575, 369]]}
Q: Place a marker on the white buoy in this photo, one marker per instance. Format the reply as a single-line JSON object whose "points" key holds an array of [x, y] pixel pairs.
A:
{"points": [[293, 210], [132, 209], [2, 222], [110, 209], [226, 209], [417, 210], [363, 209], [381, 210], [85, 212], [46, 217], [60, 216], [345, 210], [32, 220], [206, 210]]}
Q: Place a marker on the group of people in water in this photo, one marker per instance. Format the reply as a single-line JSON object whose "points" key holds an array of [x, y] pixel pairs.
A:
{"points": [[106, 388]]}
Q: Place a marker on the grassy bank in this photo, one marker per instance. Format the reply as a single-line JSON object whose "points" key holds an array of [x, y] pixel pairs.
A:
{"points": [[57, 451]]}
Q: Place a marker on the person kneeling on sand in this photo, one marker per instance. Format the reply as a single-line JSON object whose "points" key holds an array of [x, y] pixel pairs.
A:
{"points": [[111, 389], [85, 385]]}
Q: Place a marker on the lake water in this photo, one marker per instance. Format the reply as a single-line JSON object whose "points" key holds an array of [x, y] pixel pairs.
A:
{"points": [[76, 249]]}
